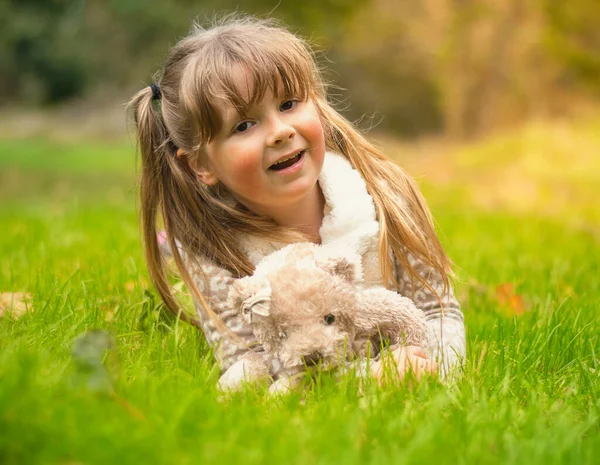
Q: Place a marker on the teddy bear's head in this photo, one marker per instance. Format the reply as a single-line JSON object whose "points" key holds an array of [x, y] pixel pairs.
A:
{"points": [[301, 305]]}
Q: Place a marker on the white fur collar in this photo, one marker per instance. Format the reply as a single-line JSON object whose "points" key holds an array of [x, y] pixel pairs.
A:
{"points": [[349, 220]]}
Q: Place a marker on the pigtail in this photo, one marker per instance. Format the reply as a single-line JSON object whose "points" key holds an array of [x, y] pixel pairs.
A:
{"points": [[154, 148], [170, 192], [406, 224]]}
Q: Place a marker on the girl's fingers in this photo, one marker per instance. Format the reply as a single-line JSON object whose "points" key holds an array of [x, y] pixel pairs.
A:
{"points": [[417, 364], [425, 363], [407, 351], [418, 351], [405, 359], [422, 365]]}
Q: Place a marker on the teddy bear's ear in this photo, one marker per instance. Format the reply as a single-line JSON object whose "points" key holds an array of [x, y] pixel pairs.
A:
{"points": [[345, 266], [251, 296]]}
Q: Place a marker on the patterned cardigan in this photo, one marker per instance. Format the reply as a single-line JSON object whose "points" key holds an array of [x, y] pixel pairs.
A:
{"points": [[349, 221]]}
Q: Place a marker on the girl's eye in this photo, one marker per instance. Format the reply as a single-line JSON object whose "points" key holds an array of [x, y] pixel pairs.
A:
{"points": [[329, 319], [288, 105], [243, 126]]}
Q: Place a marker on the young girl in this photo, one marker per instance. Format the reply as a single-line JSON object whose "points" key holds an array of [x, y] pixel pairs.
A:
{"points": [[242, 154]]}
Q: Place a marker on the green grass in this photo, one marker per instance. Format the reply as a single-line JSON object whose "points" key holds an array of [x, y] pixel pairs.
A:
{"points": [[530, 393]]}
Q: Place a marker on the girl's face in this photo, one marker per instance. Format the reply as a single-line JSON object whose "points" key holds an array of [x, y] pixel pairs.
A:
{"points": [[271, 158]]}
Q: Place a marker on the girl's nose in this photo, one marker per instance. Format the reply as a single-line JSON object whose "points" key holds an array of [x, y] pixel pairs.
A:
{"points": [[280, 133]]}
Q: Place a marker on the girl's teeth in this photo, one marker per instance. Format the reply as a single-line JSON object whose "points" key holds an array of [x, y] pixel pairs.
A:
{"points": [[287, 162], [283, 161]]}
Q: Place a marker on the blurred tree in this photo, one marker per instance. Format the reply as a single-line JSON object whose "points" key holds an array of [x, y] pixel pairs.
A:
{"points": [[386, 66], [40, 60], [51, 50], [573, 37], [474, 63], [460, 66]]}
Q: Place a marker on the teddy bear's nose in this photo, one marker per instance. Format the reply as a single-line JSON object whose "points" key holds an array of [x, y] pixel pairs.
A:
{"points": [[313, 358]]}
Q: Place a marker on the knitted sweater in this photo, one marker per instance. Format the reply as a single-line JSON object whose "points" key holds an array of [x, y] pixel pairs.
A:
{"points": [[350, 221]]}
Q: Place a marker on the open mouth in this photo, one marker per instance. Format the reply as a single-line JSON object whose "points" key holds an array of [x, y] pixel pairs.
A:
{"points": [[283, 164]]}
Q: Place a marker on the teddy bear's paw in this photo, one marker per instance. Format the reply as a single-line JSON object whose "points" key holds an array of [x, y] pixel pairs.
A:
{"points": [[284, 386], [241, 372]]}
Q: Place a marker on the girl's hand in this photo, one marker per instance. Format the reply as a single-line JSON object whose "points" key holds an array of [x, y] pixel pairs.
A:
{"points": [[401, 361]]}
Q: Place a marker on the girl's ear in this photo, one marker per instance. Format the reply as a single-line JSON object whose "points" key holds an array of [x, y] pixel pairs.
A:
{"points": [[199, 165], [206, 176]]}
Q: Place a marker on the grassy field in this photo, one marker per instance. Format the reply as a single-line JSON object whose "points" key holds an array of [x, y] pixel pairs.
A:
{"points": [[529, 284]]}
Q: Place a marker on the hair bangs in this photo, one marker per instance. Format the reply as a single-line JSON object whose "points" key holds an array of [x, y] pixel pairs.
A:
{"points": [[238, 76]]}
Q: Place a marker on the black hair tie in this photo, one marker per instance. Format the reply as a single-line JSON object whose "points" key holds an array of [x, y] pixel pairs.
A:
{"points": [[156, 94]]}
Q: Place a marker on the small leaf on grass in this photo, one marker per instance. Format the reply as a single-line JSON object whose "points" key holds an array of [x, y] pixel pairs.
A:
{"points": [[109, 307], [512, 302], [130, 286], [14, 304]]}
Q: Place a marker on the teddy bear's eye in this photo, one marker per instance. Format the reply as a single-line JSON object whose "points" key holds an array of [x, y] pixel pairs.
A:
{"points": [[329, 319]]}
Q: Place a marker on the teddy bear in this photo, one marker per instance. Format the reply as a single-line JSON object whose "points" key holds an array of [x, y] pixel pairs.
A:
{"points": [[307, 307]]}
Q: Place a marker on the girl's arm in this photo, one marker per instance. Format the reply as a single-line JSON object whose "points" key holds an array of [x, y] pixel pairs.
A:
{"points": [[445, 320]]}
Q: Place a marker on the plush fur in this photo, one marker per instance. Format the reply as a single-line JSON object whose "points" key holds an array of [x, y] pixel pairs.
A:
{"points": [[306, 306]]}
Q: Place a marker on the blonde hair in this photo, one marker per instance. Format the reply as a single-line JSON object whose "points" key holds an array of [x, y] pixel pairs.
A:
{"points": [[198, 219]]}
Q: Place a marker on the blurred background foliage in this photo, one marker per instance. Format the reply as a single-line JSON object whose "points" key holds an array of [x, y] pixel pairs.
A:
{"points": [[457, 67]]}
